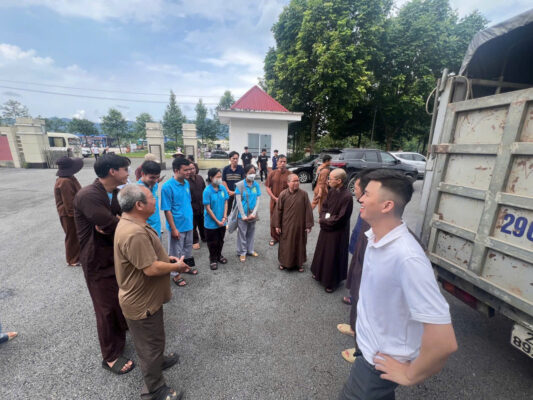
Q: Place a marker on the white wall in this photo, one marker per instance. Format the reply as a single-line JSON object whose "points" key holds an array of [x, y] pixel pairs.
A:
{"points": [[240, 128]]}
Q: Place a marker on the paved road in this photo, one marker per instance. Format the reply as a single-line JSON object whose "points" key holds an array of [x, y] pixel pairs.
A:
{"points": [[246, 331]]}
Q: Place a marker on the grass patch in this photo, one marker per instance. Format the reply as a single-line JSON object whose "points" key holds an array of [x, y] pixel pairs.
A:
{"points": [[137, 154]]}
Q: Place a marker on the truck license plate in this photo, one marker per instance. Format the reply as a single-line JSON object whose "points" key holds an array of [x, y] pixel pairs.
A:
{"points": [[522, 339]]}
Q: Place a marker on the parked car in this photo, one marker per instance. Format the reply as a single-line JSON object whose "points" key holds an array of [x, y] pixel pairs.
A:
{"points": [[86, 152], [415, 159], [219, 154], [304, 168], [354, 160]]}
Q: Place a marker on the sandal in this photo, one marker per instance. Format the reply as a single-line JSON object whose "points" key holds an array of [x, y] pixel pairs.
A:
{"points": [[242, 258], [213, 266], [11, 335], [348, 355], [254, 254], [196, 246], [347, 300], [167, 393], [170, 360], [329, 290], [191, 271], [346, 329], [118, 366], [272, 242], [78, 264], [301, 269], [223, 260], [281, 267], [179, 282]]}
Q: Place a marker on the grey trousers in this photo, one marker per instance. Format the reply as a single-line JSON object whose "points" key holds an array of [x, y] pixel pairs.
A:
{"points": [[149, 340], [245, 237], [181, 247], [364, 383]]}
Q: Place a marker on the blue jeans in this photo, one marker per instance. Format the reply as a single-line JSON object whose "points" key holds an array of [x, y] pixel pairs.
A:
{"points": [[3, 336]]}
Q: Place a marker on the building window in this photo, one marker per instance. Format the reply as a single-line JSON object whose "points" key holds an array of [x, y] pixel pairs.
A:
{"points": [[257, 142]]}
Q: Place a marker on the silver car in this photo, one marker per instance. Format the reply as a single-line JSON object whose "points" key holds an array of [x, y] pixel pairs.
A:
{"points": [[415, 159]]}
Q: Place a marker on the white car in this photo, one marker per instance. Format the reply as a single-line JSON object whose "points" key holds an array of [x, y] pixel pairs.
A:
{"points": [[86, 152], [415, 159]]}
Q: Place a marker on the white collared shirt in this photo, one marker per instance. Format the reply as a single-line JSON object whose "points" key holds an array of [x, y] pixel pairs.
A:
{"points": [[398, 294]]}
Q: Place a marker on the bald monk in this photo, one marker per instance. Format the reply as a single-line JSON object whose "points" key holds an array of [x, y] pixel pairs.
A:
{"points": [[275, 184], [330, 261], [293, 220], [321, 188]]}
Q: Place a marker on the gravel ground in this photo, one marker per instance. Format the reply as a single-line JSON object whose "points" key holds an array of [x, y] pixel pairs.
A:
{"points": [[245, 331]]}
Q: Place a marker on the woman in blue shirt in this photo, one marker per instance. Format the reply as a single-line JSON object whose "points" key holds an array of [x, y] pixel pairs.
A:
{"points": [[215, 200], [246, 197]]}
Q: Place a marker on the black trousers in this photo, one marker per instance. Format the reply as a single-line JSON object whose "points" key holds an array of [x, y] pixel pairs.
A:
{"points": [[230, 203], [198, 230], [263, 171], [215, 242], [149, 340]]}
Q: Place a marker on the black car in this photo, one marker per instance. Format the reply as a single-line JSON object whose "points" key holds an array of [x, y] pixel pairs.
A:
{"points": [[303, 168], [354, 160], [219, 154]]}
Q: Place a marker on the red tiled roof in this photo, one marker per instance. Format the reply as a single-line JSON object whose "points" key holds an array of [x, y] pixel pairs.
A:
{"points": [[256, 99]]}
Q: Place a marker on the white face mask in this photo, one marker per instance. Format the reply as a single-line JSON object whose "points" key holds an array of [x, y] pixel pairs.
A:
{"points": [[250, 177], [217, 181]]}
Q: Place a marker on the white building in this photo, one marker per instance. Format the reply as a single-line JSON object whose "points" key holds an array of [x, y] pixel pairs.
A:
{"points": [[258, 121]]}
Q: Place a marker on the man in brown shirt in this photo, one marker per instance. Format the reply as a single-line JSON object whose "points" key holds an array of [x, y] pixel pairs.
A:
{"points": [[277, 182], [143, 269], [96, 212], [65, 189], [321, 188]]}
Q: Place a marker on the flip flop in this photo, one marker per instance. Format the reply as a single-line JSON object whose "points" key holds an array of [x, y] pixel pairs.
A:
{"points": [[11, 335], [348, 355], [301, 269], [272, 243], [223, 260], [213, 266], [281, 267], [170, 360], [254, 254], [345, 329], [118, 365], [347, 300], [242, 258], [180, 280], [329, 290]]}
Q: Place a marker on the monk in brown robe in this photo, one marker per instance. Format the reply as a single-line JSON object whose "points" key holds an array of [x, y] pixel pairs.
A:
{"points": [[97, 212], [65, 189], [330, 261], [275, 184], [321, 188], [293, 220]]}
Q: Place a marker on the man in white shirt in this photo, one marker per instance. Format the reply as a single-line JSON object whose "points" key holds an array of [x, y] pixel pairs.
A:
{"points": [[96, 151], [403, 327]]}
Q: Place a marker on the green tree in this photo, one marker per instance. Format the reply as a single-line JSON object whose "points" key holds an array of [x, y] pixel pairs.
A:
{"points": [[201, 116], [12, 109], [320, 64], [55, 124], [173, 120], [114, 125], [226, 101], [425, 37], [83, 127], [139, 127], [215, 128]]}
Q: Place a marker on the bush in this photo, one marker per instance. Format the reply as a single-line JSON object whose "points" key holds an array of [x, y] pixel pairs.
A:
{"points": [[170, 145]]}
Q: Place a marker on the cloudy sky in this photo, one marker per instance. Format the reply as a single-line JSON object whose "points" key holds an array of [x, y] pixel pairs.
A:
{"points": [[128, 54]]}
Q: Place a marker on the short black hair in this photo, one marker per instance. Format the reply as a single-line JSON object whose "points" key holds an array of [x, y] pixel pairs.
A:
{"points": [[178, 162], [263, 150], [326, 158], [400, 185], [248, 168], [282, 156], [245, 147], [211, 173], [151, 167], [275, 151], [190, 157], [109, 161], [232, 154]]}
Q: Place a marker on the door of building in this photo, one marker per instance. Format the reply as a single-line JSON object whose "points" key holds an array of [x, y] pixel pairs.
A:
{"points": [[257, 142]]}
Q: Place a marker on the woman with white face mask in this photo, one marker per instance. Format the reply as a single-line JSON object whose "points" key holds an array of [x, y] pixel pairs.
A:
{"points": [[246, 197], [215, 200]]}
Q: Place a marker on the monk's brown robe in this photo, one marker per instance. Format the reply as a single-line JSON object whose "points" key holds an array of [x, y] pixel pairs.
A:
{"points": [[65, 190], [330, 262], [277, 181], [293, 215], [321, 188]]}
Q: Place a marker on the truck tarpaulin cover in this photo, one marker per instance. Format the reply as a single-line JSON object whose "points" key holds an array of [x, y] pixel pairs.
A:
{"points": [[503, 49]]}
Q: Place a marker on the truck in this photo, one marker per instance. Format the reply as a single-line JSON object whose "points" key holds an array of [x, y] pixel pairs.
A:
{"points": [[477, 196]]}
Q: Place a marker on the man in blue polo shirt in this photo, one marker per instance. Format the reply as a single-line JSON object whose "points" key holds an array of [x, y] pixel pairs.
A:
{"points": [[176, 203], [150, 172]]}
